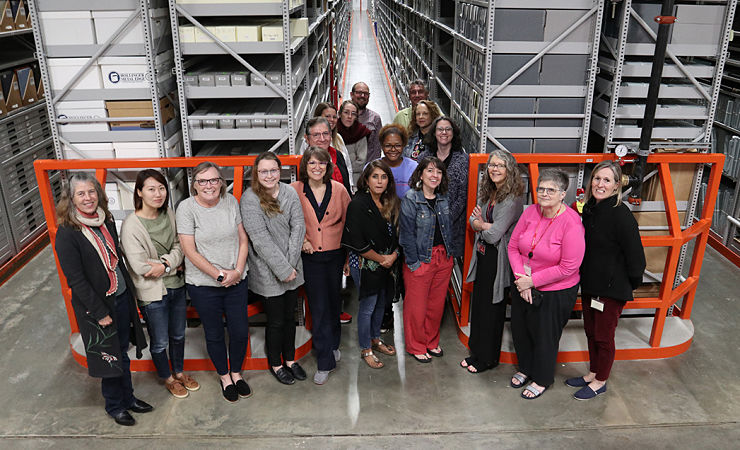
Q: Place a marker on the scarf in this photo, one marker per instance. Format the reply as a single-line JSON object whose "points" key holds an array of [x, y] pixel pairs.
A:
{"points": [[336, 174], [354, 133], [106, 250]]}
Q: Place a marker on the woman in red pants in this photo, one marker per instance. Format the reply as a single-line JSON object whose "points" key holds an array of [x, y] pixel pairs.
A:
{"points": [[426, 238]]}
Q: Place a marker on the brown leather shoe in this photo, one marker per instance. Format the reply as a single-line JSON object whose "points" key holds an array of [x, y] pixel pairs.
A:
{"points": [[176, 388], [187, 381]]}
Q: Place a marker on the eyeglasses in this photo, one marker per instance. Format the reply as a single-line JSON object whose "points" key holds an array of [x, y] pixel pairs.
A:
{"points": [[393, 147], [362, 93], [548, 191], [444, 130], [349, 113], [317, 135], [320, 163], [264, 173], [496, 166], [211, 181], [417, 91]]}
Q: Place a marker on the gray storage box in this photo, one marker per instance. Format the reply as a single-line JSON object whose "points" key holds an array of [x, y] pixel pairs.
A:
{"points": [[518, 25]]}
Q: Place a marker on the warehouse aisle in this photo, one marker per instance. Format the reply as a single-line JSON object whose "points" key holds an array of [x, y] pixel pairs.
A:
{"points": [[364, 64]]}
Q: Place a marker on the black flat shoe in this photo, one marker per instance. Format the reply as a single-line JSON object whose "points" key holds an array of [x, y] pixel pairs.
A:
{"points": [[140, 406], [436, 354], [124, 418], [297, 371], [243, 389], [283, 375], [230, 393]]}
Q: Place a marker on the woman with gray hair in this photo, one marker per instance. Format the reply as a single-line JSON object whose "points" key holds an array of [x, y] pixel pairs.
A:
{"points": [[102, 292], [612, 268], [215, 244], [499, 206], [545, 252]]}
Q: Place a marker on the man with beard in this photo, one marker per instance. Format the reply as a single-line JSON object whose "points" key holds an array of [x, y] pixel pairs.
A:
{"points": [[360, 94]]}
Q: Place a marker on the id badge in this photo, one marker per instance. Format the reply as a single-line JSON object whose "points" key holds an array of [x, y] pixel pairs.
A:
{"points": [[597, 304], [527, 270]]}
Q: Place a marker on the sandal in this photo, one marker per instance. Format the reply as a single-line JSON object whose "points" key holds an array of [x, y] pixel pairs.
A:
{"points": [[381, 347], [371, 359], [469, 361], [422, 358], [535, 393], [435, 353], [521, 378], [473, 369]]}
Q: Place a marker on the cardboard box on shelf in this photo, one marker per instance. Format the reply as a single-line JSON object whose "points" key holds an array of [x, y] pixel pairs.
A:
{"points": [[225, 33], [97, 150], [20, 15], [67, 27], [131, 72], [682, 176], [6, 16], [27, 85], [272, 32], [187, 33], [3, 108], [91, 109], [107, 22], [248, 33], [11, 90], [138, 108], [299, 27], [201, 37], [63, 70]]}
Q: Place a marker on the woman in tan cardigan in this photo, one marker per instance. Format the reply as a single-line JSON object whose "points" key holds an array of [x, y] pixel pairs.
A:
{"points": [[324, 202], [149, 240]]}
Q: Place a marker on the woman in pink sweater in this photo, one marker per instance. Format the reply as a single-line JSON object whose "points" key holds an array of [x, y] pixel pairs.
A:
{"points": [[545, 253]]}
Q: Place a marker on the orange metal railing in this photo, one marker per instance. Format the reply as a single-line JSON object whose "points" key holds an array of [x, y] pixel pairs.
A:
{"points": [[668, 296], [101, 167]]}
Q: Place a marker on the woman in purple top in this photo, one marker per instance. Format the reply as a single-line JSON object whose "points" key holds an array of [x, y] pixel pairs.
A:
{"points": [[545, 252], [393, 139]]}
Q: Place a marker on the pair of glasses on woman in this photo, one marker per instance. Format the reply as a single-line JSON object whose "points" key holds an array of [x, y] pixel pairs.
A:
{"points": [[207, 181]]}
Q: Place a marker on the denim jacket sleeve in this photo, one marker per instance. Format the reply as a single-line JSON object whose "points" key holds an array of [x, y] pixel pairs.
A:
{"points": [[407, 237]]}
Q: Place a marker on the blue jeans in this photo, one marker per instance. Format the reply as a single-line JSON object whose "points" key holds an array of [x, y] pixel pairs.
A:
{"points": [[118, 392], [212, 304], [370, 317], [165, 322]]}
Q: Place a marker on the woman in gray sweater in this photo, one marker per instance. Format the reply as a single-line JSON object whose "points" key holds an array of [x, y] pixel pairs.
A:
{"points": [[273, 217]]}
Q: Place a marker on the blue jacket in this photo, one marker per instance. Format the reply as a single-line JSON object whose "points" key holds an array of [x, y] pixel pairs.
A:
{"points": [[417, 227]]}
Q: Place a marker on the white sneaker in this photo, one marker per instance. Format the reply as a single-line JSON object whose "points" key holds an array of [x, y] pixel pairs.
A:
{"points": [[321, 377], [337, 355]]}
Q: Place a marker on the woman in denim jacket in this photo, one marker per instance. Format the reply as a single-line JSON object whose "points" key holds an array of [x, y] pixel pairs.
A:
{"points": [[426, 239]]}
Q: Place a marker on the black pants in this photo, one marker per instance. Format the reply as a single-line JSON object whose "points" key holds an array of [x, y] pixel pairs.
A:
{"points": [[280, 331], [487, 319], [118, 392], [323, 275], [537, 329]]}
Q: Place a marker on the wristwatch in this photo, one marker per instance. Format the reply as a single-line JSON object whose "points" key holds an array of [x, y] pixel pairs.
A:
{"points": [[220, 276], [167, 268]]}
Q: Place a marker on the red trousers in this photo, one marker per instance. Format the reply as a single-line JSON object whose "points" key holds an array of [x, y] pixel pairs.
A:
{"points": [[424, 302], [599, 327]]}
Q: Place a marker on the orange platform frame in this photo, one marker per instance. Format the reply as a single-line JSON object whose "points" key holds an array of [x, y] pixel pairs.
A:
{"points": [[668, 295], [101, 167]]}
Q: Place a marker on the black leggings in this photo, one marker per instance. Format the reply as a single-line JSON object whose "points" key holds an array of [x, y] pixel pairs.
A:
{"points": [[280, 331]]}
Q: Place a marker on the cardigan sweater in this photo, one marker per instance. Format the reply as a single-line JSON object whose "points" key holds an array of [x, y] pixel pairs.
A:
{"points": [[505, 216], [274, 242], [88, 280], [139, 250], [615, 259], [558, 251], [327, 234]]}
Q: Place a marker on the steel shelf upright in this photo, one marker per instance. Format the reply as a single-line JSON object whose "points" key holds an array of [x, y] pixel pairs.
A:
{"points": [[283, 78]]}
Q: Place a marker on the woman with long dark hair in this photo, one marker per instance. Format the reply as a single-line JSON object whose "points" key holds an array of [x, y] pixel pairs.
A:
{"points": [[149, 239], [102, 292], [355, 136], [371, 232], [273, 217], [499, 206]]}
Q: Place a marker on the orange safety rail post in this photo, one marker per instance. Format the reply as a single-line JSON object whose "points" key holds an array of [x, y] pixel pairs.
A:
{"points": [[668, 295], [101, 167]]}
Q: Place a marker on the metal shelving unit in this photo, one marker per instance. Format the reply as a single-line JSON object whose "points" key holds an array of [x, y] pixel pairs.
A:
{"points": [[288, 75]]}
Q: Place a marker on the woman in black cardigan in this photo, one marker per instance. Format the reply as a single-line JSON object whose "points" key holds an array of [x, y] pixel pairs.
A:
{"points": [[102, 292], [612, 268]]}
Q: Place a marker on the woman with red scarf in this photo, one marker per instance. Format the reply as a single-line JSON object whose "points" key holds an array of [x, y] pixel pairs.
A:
{"points": [[318, 134], [355, 136], [102, 292]]}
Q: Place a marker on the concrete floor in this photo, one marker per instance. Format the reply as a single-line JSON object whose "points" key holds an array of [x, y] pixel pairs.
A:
{"points": [[690, 401]]}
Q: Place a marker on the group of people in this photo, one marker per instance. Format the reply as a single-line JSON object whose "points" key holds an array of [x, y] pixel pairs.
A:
{"points": [[385, 205]]}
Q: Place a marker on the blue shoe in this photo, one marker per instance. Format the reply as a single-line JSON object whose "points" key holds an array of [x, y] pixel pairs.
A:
{"points": [[586, 393], [576, 382]]}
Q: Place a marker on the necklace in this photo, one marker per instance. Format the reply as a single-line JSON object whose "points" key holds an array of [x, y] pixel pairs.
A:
{"points": [[536, 241]]}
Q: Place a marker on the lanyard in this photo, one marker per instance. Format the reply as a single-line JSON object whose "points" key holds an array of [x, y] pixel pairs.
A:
{"points": [[536, 241]]}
